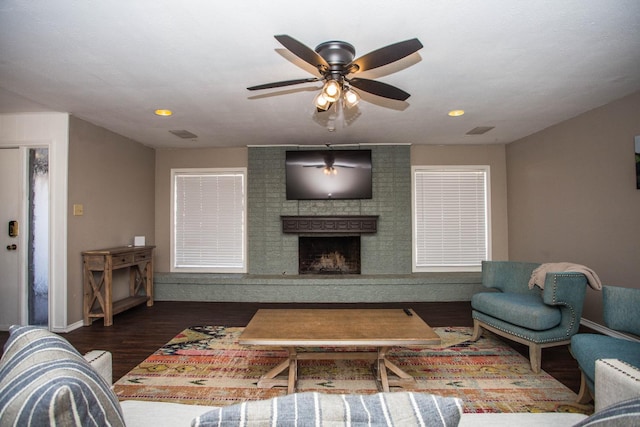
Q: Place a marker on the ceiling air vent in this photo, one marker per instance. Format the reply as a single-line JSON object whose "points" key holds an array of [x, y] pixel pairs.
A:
{"points": [[480, 130], [184, 134]]}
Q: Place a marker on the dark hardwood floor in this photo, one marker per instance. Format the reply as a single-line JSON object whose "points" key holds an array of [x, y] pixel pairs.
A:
{"points": [[137, 333]]}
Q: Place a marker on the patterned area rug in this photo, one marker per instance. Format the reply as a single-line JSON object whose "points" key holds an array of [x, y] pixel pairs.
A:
{"points": [[206, 366]]}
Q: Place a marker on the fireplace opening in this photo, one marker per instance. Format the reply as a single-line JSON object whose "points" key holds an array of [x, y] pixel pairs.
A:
{"points": [[329, 255]]}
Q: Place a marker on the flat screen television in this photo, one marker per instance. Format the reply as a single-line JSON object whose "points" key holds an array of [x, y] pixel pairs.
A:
{"points": [[328, 174]]}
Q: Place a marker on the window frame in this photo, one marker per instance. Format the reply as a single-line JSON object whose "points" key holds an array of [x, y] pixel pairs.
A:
{"points": [[415, 170], [177, 172]]}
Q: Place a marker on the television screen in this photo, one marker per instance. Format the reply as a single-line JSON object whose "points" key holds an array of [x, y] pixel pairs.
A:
{"points": [[328, 174]]}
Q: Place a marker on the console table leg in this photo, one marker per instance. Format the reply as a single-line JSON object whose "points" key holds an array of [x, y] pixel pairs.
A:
{"points": [[148, 269], [108, 296]]}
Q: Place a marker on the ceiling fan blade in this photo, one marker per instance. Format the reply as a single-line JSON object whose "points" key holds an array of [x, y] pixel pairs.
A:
{"points": [[385, 55], [303, 52], [284, 83], [379, 88]]}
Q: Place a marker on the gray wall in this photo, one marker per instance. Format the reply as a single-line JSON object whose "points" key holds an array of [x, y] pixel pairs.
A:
{"points": [[113, 178], [572, 196], [273, 256], [386, 252], [493, 155], [167, 159]]}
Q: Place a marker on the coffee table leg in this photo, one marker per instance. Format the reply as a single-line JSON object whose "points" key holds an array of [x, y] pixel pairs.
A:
{"points": [[382, 369], [270, 379], [402, 379], [293, 371]]}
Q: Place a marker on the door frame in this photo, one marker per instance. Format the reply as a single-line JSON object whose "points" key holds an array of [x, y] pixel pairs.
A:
{"points": [[49, 130]]}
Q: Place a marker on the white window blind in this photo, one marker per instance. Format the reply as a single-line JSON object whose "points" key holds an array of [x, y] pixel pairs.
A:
{"points": [[209, 220], [450, 219]]}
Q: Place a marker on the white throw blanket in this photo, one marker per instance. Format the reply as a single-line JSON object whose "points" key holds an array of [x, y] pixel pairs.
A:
{"points": [[538, 275]]}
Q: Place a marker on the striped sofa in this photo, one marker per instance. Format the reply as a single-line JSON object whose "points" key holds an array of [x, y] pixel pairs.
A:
{"points": [[45, 381]]}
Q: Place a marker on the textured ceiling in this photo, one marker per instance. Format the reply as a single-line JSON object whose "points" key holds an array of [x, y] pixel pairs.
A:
{"points": [[519, 66]]}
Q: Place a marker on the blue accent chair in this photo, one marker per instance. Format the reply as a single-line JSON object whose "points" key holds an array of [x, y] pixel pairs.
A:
{"points": [[534, 317], [621, 310]]}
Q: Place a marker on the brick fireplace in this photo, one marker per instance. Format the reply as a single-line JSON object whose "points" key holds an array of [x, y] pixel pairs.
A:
{"points": [[329, 244]]}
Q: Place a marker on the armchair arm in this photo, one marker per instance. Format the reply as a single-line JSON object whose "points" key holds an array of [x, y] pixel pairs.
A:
{"points": [[101, 361], [568, 288], [616, 381]]}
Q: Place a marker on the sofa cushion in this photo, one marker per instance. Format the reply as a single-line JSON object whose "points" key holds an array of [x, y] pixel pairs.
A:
{"points": [[45, 381], [400, 408], [622, 414], [587, 348], [526, 310]]}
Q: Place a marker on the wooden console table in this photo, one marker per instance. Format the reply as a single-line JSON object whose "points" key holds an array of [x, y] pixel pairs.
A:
{"points": [[97, 274]]}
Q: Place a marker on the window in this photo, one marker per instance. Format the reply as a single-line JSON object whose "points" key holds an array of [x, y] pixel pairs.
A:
{"points": [[208, 220], [450, 218]]}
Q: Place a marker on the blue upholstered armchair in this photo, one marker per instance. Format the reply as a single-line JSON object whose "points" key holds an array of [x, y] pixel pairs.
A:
{"points": [[621, 310], [535, 317]]}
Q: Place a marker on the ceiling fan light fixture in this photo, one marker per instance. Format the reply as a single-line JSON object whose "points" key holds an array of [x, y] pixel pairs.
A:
{"points": [[455, 113], [322, 103], [331, 90], [351, 98], [330, 170]]}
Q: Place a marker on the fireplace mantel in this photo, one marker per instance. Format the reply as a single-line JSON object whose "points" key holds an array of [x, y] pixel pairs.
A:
{"points": [[334, 224]]}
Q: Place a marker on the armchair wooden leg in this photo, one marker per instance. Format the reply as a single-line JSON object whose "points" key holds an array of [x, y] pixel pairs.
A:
{"points": [[535, 357], [584, 395], [477, 330]]}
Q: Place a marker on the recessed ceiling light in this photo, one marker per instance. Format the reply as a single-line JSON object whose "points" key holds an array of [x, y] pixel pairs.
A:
{"points": [[163, 113], [456, 113]]}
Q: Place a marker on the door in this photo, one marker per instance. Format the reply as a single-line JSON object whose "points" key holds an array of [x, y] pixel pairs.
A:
{"points": [[11, 248]]}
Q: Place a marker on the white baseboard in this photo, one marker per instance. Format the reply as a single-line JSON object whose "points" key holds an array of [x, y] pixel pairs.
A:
{"points": [[606, 331], [79, 324], [69, 328]]}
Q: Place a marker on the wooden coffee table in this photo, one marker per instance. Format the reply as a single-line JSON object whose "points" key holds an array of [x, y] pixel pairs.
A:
{"points": [[378, 328]]}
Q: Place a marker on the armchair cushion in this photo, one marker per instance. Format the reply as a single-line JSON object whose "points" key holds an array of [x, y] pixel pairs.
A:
{"points": [[526, 310]]}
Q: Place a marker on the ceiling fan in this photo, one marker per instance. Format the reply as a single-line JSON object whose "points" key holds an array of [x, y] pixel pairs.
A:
{"points": [[334, 62], [329, 165]]}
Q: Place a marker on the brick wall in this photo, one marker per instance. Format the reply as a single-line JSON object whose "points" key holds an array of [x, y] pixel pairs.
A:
{"points": [[272, 252]]}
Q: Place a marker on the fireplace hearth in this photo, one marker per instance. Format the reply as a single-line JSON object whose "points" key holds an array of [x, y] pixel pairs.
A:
{"points": [[329, 255]]}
